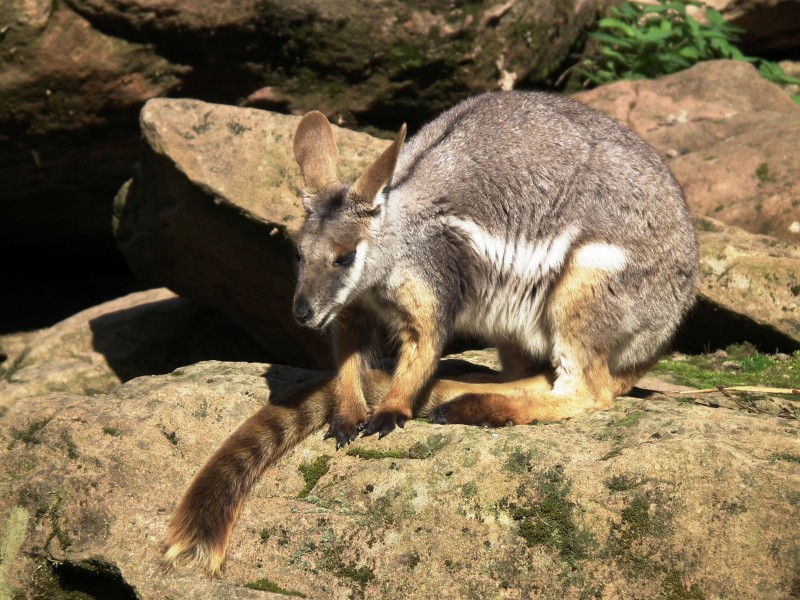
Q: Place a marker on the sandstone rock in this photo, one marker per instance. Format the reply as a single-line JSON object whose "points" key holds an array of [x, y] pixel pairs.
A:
{"points": [[656, 498], [211, 209], [730, 137], [755, 277], [69, 95], [144, 333]]}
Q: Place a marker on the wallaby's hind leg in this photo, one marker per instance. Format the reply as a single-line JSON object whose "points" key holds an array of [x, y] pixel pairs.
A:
{"points": [[584, 340], [525, 401]]}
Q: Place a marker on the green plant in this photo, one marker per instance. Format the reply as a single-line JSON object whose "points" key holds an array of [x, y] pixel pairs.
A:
{"points": [[644, 41]]}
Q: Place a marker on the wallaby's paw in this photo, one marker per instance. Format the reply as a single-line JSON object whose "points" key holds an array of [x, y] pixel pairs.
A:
{"points": [[345, 431], [472, 409], [383, 422]]}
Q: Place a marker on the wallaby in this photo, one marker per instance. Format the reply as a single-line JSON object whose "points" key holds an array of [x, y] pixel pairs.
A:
{"points": [[526, 219]]}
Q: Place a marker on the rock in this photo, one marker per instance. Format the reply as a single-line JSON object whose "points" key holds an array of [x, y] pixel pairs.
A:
{"points": [[755, 279], [730, 137], [657, 498], [90, 353], [69, 95], [74, 75], [212, 207]]}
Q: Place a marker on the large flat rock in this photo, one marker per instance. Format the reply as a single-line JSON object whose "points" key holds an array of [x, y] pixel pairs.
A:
{"points": [[656, 498]]}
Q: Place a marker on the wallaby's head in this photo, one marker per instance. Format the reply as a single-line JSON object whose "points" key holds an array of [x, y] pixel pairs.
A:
{"points": [[337, 237]]}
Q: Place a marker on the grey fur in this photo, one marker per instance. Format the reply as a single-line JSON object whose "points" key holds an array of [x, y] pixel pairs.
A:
{"points": [[530, 170]]}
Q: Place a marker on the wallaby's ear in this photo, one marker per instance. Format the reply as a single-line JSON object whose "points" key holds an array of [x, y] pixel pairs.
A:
{"points": [[378, 173], [315, 151]]}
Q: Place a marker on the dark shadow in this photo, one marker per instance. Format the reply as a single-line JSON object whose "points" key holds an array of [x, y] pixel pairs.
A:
{"points": [[93, 578], [158, 337], [285, 383], [710, 327]]}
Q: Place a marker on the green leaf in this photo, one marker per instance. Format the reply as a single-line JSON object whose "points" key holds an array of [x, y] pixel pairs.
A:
{"points": [[655, 34], [690, 53], [628, 10], [617, 24], [611, 53], [715, 18], [775, 73], [612, 40]]}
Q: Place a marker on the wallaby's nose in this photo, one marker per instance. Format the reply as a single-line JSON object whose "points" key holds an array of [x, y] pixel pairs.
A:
{"points": [[302, 311]]}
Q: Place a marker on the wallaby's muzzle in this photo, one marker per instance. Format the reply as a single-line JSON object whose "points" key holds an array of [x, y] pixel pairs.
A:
{"points": [[302, 310]]}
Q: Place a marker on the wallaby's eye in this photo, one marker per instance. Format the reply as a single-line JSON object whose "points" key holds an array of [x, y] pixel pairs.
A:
{"points": [[346, 259]]}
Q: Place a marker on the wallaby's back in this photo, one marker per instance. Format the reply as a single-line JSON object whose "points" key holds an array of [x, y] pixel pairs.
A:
{"points": [[517, 184]]}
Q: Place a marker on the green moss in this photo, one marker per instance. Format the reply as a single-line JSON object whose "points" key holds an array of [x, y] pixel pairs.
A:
{"points": [[623, 483], [72, 447], [704, 224], [278, 533], [634, 540], [673, 588], [469, 490], [762, 172], [612, 453], [429, 447], [519, 461], [403, 57], [54, 514], [550, 522], [368, 454], [312, 473], [632, 418], [751, 368], [112, 431], [265, 585], [333, 562], [29, 435]]}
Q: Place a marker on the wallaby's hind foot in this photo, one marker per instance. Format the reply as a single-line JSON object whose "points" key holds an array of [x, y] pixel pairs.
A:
{"points": [[499, 410]]}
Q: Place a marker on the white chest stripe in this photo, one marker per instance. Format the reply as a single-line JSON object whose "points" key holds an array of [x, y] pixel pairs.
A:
{"points": [[525, 260]]}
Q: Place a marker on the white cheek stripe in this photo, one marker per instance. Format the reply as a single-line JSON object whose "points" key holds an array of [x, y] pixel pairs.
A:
{"points": [[353, 276], [525, 260], [601, 256]]}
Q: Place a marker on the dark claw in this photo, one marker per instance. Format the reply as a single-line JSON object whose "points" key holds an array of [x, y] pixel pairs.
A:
{"points": [[343, 432], [384, 423]]}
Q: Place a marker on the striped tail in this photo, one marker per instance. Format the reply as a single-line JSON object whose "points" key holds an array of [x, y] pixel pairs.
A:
{"points": [[200, 530]]}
